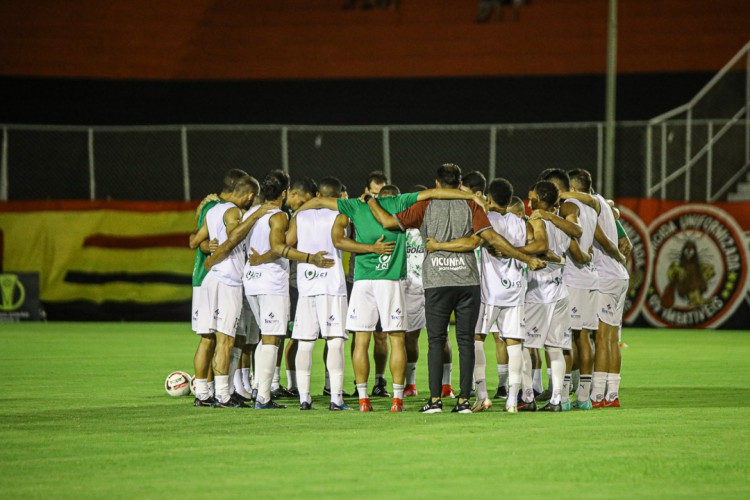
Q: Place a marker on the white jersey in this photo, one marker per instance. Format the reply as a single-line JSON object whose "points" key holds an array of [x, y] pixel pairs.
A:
{"points": [[229, 270], [503, 280], [313, 236], [271, 278], [606, 266], [546, 284], [583, 276], [415, 253]]}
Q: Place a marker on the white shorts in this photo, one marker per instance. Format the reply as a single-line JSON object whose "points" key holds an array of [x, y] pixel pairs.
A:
{"points": [[583, 308], [508, 318], [415, 319], [547, 325], [196, 302], [248, 327], [320, 314], [219, 307], [610, 301], [271, 312], [373, 299]]}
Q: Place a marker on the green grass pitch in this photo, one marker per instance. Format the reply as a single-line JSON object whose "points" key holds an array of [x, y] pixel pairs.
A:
{"points": [[84, 414]]}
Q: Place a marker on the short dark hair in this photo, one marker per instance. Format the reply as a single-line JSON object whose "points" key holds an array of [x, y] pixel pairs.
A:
{"points": [[273, 184], [547, 193], [558, 174], [515, 200], [449, 174], [232, 178], [376, 176], [476, 181], [389, 190], [418, 187], [582, 179], [305, 185], [501, 191], [330, 187]]}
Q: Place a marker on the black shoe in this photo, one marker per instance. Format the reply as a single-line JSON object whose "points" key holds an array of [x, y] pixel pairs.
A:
{"points": [[326, 391], [502, 393], [341, 407], [271, 405], [239, 397], [305, 406], [543, 396], [281, 393], [551, 407], [432, 406], [380, 391], [229, 404], [524, 406], [203, 402], [464, 407], [293, 392]]}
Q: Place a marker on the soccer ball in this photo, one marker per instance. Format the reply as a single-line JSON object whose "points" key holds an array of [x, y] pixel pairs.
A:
{"points": [[192, 386], [177, 384]]}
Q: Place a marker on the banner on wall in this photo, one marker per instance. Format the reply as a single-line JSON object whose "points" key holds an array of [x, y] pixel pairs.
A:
{"points": [[19, 297], [691, 271]]}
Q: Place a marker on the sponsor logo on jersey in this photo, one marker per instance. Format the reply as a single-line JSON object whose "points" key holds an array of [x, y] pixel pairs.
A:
{"points": [[253, 275], [639, 264], [508, 284], [270, 319], [700, 268], [397, 314], [384, 262], [312, 274], [448, 263], [217, 313], [195, 315], [331, 321]]}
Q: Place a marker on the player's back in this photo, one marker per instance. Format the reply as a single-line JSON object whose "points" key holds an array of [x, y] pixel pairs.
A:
{"points": [[577, 275], [503, 282], [546, 284], [313, 236], [229, 270], [270, 278], [606, 266]]}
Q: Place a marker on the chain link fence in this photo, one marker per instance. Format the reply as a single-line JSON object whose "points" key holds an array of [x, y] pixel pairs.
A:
{"points": [[186, 162]]}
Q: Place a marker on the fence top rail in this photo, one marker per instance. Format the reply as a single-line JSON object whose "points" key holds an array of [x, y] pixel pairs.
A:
{"points": [[723, 71], [340, 128]]}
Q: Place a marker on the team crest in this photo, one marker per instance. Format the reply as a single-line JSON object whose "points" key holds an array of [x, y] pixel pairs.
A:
{"points": [[639, 264], [700, 268]]}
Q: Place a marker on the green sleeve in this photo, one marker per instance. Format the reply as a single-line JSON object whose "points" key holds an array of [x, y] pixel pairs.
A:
{"points": [[404, 201], [348, 207], [620, 230]]}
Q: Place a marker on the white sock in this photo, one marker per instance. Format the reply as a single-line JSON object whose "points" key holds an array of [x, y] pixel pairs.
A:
{"points": [[222, 388], [411, 373], [527, 383], [276, 381], [512, 395], [447, 372], [362, 391], [502, 375], [266, 366], [211, 388], [256, 363], [549, 377], [201, 389], [335, 363], [480, 370], [327, 385], [234, 364], [584, 388], [291, 379], [613, 386], [398, 391], [304, 368], [575, 378], [566, 389], [536, 377], [239, 387], [245, 374], [515, 366], [598, 386], [557, 373]]}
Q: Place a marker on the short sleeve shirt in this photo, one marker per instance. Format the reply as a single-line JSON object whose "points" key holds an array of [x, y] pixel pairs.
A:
{"points": [[371, 266], [446, 220], [199, 272], [620, 230]]}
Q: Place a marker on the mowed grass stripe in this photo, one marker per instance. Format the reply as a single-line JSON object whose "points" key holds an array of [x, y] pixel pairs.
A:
{"points": [[85, 414]]}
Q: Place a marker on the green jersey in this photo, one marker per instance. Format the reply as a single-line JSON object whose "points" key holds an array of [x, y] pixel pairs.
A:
{"points": [[199, 272], [371, 266], [620, 230]]}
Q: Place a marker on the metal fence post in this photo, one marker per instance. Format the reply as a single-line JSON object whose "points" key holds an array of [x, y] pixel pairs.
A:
{"points": [[185, 165], [747, 107], [285, 149], [663, 160], [387, 153], [688, 144], [493, 153], [649, 159], [599, 157], [710, 160], [4, 167], [92, 178]]}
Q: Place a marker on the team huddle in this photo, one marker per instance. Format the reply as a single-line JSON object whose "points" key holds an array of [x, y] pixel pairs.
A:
{"points": [[555, 279]]}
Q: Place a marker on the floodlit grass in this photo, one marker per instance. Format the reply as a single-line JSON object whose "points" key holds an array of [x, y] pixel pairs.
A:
{"points": [[84, 413]]}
